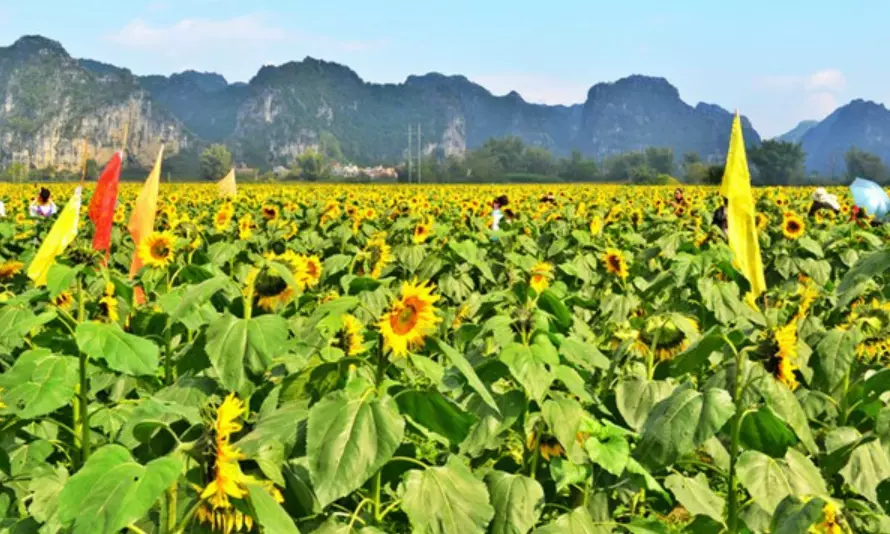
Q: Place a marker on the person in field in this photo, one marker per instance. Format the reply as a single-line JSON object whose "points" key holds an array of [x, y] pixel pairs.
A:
{"points": [[719, 220], [496, 213], [43, 205], [823, 201]]}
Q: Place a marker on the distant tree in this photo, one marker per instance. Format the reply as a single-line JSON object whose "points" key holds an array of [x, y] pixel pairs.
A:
{"points": [[642, 174], [16, 172], [621, 167], [311, 166], [691, 158], [861, 164], [216, 162], [715, 174], [660, 160], [509, 152], [778, 162], [695, 173], [578, 169], [482, 165], [538, 160]]}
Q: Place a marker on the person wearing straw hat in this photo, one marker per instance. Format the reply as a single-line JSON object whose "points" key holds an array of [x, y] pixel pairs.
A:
{"points": [[824, 201]]}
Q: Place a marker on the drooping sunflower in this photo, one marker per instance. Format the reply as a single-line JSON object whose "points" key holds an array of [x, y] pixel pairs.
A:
{"points": [[224, 479], [156, 250], [761, 220], [64, 300], [793, 226], [541, 274], [784, 362], [670, 335], [352, 338], [10, 268], [410, 319], [615, 263], [596, 225], [271, 291], [245, 227], [421, 233], [830, 524], [379, 255]]}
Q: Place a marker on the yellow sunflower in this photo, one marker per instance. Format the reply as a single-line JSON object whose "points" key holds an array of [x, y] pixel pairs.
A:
{"points": [[785, 359], [410, 319], [310, 271], [353, 339], [596, 225], [156, 250], [615, 263], [226, 481], [793, 226], [540, 277], [245, 227], [421, 233], [223, 218], [379, 254], [10, 268], [64, 300], [830, 524]]}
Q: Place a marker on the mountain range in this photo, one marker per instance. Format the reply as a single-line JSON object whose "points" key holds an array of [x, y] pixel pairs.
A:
{"points": [[50, 103]]}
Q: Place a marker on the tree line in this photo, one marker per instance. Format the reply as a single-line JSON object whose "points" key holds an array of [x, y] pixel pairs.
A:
{"points": [[512, 160]]}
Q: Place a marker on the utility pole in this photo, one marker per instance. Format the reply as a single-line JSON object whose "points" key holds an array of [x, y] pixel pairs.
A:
{"points": [[419, 155], [410, 157]]}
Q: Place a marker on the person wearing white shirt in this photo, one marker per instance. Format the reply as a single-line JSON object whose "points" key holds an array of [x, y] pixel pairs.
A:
{"points": [[43, 206]]}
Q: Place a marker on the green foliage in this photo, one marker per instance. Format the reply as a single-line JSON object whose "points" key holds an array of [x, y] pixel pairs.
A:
{"points": [[16, 173], [778, 162], [311, 166], [861, 164], [216, 162]]}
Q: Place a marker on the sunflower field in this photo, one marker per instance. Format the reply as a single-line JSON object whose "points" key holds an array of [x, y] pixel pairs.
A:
{"points": [[355, 359]]}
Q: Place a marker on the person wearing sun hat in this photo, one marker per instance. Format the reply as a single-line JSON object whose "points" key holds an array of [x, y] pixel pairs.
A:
{"points": [[822, 200]]}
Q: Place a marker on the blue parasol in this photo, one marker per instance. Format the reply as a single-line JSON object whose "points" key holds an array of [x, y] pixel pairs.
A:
{"points": [[871, 197]]}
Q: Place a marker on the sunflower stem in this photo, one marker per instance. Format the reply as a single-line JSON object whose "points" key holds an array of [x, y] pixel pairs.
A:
{"points": [[248, 298], [735, 433], [81, 410], [377, 483], [171, 508], [168, 355]]}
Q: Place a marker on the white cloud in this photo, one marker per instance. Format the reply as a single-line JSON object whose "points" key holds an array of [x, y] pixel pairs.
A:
{"points": [[535, 88], [821, 104], [235, 47], [830, 79], [197, 33]]}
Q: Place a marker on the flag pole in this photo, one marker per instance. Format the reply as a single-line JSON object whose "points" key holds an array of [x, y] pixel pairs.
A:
{"points": [[83, 170]]}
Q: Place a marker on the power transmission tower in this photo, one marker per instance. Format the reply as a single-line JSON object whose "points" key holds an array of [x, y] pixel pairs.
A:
{"points": [[410, 157]]}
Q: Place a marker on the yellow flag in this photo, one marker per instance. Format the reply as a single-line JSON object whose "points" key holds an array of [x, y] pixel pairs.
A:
{"points": [[142, 221], [62, 233], [741, 224], [227, 185]]}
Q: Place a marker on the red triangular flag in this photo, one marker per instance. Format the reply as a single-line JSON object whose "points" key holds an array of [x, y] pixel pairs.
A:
{"points": [[102, 205]]}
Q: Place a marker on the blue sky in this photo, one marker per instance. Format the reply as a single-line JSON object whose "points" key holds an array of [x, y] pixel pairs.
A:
{"points": [[778, 62]]}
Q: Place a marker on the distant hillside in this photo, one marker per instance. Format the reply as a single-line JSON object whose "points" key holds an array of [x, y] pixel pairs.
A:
{"points": [[640, 111], [797, 133], [53, 101], [861, 124]]}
